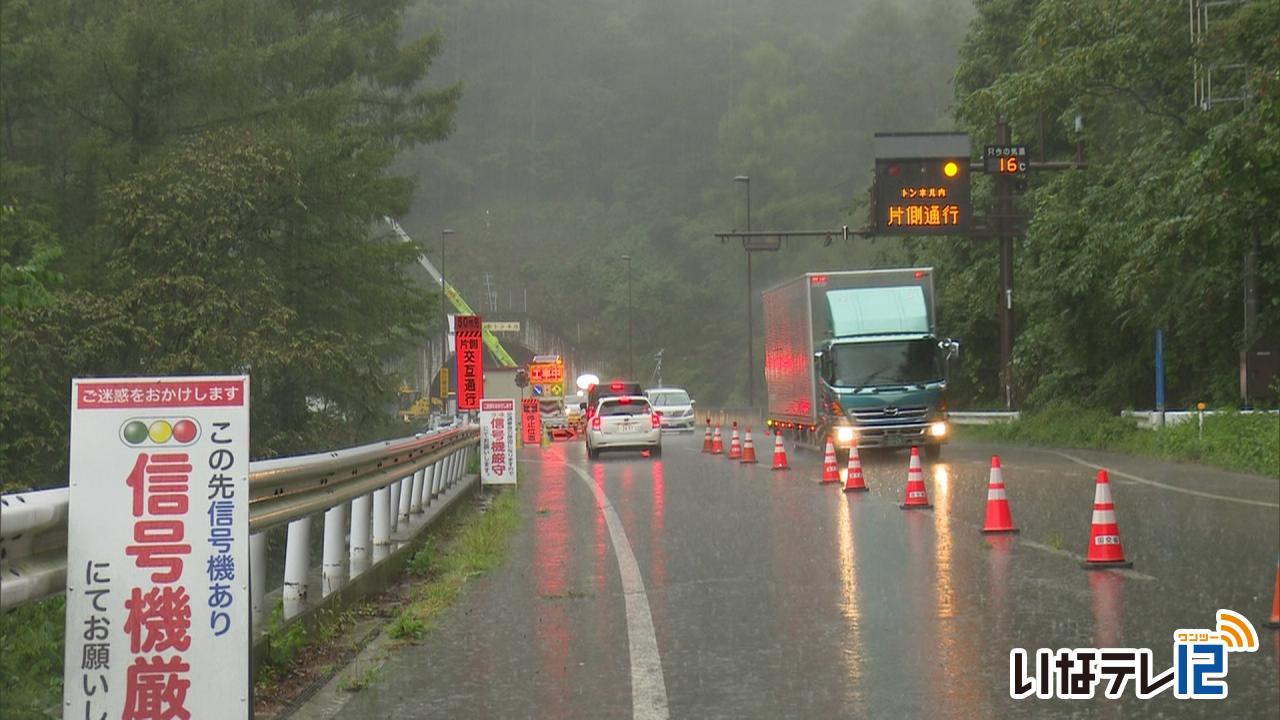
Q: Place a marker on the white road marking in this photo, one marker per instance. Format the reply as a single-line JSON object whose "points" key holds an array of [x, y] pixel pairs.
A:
{"points": [[1080, 558], [648, 688], [1164, 486]]}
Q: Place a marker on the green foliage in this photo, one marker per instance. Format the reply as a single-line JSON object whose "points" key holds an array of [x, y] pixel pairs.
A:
{"points": [[483, 544], [425, 562], [361, 679], [31, 646], [198, 188], [1243, 442], [407, 627], [1153, 233]]}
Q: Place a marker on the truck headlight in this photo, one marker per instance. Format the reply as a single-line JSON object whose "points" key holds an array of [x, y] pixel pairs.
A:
{"points": [[845, 434], [938, 429]]}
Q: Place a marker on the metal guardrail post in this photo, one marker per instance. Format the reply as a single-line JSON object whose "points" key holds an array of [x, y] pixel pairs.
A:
{"points": [[415, 500], [381, 523], [361, 507], [258, 578], [406, 497], [297, 560], [333, 562]]}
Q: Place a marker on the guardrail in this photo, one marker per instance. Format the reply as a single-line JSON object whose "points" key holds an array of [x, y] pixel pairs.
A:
{"points": [[389, 485], [982, 417]]}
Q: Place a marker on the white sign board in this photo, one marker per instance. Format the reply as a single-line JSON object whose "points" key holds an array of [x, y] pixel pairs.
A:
{"points": [[503, 326], [497, 442], [158, 549]]}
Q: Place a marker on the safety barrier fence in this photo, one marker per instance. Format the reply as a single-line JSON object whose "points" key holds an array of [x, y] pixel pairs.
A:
{"points": [[393, 489]]}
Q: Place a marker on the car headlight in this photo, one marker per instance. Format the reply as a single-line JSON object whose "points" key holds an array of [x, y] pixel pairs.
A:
{"points": [[938, 429], [845, 434]]}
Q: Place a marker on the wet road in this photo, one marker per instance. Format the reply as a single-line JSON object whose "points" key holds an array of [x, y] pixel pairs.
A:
{"points": [[708, 589]]}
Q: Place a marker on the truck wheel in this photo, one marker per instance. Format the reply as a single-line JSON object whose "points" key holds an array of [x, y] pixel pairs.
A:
{"points": [[592, 454], [932, 452]]}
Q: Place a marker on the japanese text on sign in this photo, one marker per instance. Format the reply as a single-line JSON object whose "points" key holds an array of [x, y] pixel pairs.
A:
{"points": [[531, 421], [498, 442], [470, 357], [158, 622]]}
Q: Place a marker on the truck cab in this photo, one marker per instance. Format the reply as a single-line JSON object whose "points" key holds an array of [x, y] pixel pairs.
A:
{"points": [[876, 369], [881, 369], [885, 390]]}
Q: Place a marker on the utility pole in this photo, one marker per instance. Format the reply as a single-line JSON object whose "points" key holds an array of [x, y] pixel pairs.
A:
{"points": [[444, 327], [1004, 209], [751, 360]]}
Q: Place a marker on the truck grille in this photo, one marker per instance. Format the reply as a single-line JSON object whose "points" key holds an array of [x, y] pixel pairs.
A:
{"points": [[890, 414]]}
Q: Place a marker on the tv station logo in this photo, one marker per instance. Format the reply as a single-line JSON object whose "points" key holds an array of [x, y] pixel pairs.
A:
{"points": [[1199, 671]]}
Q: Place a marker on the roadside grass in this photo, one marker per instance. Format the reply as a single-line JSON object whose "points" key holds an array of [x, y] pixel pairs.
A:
{"points": [[31, 642], [1245, 443], [463, 545], [476, 549]]}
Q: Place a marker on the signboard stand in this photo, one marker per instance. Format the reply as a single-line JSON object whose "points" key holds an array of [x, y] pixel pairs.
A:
{"points": [[158, 601], [498, 442], [470, 360]]}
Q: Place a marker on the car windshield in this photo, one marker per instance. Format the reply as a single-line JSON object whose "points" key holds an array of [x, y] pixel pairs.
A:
{"points": [[909, 362], [668, 398], [634, 407]]}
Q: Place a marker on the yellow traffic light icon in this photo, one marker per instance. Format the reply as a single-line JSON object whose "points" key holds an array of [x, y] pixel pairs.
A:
{"points": [[951, 169]]}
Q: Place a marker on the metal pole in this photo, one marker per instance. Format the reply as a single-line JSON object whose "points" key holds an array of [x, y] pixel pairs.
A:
{"points": [[381, 523], [1160, 376], [335, 536], [444, 324], [631, 371], [296, 558], [360, 534], [1247, 389], [751, 332], [1003, 206], [415, 501]]}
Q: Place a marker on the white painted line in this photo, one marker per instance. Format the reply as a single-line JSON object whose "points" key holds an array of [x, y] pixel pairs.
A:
{"points": [[648, 688], [1164, 486], [1080, 558]]}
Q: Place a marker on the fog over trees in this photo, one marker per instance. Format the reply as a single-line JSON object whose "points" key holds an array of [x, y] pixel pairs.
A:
{"points": [[199, 188]]}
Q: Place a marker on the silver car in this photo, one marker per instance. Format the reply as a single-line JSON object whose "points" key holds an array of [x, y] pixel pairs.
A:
{"points": [[624, 423], [675, 406]]}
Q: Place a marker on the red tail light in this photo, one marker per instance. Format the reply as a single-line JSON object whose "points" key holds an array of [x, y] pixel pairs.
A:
{"points": [[624, 401], [595, 423], [655, 417], [616, 387]]}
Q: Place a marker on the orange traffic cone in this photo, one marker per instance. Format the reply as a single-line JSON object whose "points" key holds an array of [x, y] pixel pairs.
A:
{"points": [[779, 453], [748, 450], [999, 520], [1274, 622], [1105, 550], [706, 439], [830, 472], [735, 445], [853, 481], [917, 496], [717, 445]]}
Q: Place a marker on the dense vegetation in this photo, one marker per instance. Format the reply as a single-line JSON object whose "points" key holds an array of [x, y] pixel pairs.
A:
{"points": [[196, 187], [1154, 233], [614, 128], [1236, 441], [192, 188]]}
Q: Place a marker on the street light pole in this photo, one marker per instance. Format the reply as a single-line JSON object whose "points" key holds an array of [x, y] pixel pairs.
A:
{"points": [[631, 370], [751, 361], [444, 328]]}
